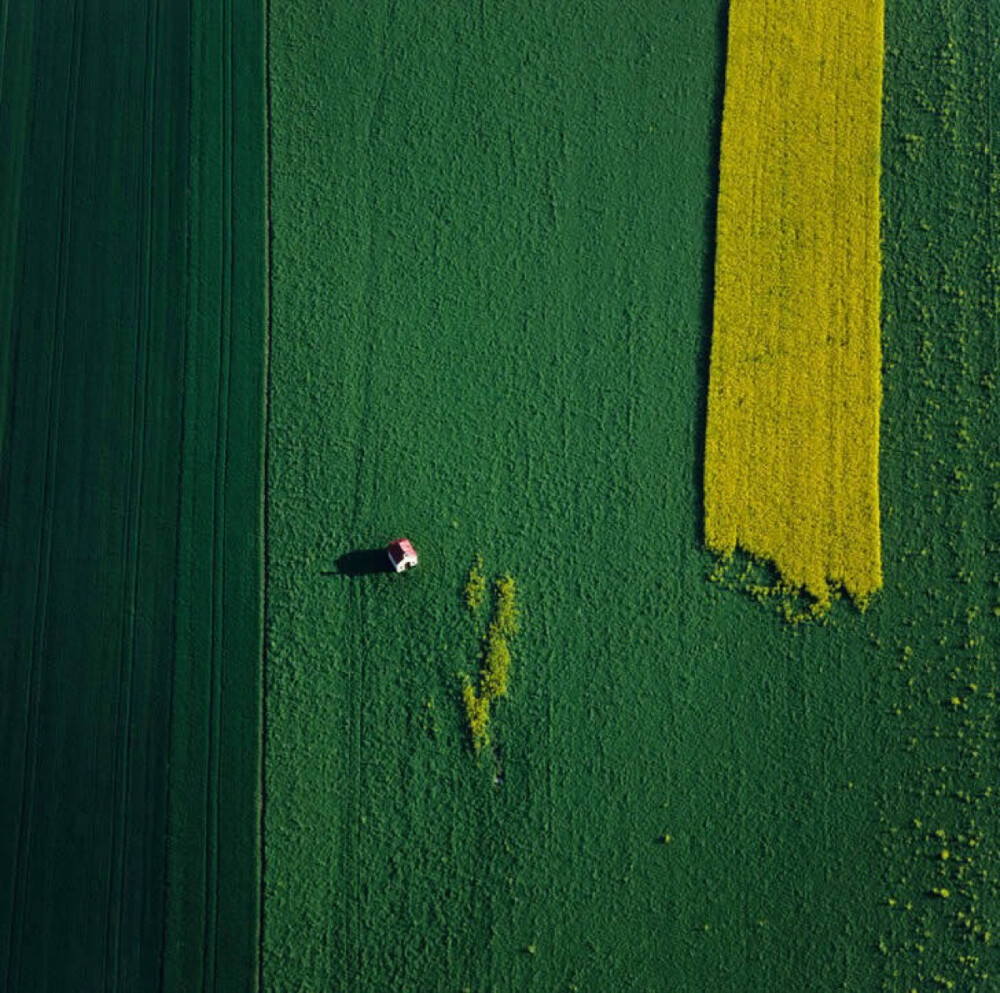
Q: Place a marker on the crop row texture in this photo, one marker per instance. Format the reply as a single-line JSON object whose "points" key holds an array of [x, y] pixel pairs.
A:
{"points": [[132, 372]]}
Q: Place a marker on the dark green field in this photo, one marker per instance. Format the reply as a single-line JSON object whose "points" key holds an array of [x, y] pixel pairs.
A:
{"points": [[481, 319], [132, 299]]}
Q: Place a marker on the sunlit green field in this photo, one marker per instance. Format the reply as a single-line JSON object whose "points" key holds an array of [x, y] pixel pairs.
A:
{"points": [[492, 283], [279, 284]]}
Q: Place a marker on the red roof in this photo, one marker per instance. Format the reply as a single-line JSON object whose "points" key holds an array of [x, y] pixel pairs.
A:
{"points": [[403, 548]]}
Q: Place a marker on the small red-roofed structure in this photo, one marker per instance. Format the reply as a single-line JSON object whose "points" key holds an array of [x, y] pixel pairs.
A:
{"points": [[402, 555]]}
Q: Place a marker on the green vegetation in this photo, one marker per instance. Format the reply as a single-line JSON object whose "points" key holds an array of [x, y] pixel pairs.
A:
{"points": [[475, 585], [940, 820], [131, 427], [477, 714], [495, 670], [507, 213], [492, 232], [757, 578]]}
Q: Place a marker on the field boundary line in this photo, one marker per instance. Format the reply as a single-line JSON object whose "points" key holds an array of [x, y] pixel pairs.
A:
{"points": [[265, 504]]}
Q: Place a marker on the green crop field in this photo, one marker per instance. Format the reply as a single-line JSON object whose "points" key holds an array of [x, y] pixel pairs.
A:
{"points": [[492, 277], [132, 223], [282, 282]]}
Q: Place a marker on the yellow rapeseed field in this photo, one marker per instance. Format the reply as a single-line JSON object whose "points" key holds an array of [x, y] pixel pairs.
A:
{"points": [[791, 451]]}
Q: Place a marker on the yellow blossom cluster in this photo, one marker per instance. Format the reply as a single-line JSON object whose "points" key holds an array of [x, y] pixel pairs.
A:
{"points": [[475, 585], [496, 663], [791, 448]]}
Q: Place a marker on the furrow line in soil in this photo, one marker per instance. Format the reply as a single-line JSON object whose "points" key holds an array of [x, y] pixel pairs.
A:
{"points": [[175, 896], [228, 659], [117, 898], [219, 639], [43, 559], [14, 128]]}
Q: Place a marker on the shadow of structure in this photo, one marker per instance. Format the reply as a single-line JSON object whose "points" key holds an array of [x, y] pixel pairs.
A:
{"points": [[361, 562]]}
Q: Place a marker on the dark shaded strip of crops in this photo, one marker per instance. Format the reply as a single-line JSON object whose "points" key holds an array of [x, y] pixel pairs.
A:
{"points": [[131, 413]]}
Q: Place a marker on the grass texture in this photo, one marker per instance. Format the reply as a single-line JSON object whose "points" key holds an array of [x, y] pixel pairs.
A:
{"points": [[791, 449], [131, 415], [941, 454], [492, 264], [494, 235]]}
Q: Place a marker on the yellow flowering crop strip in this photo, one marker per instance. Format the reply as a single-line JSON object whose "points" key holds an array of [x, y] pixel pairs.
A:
{"points": [[791, 449]]}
